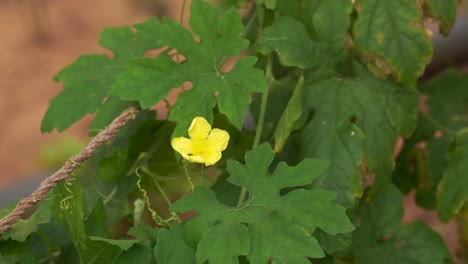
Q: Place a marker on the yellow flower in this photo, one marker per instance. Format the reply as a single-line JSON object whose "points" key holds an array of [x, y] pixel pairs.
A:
{"points": [[205, 145]]}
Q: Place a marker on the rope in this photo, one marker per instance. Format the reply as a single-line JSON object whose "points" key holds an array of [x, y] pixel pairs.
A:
{"points": [[50, 182]]}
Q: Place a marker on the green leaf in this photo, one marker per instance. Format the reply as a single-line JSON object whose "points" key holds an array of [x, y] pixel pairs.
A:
{"points": [[289, 38], [448, 99], [95, 225], [68, 210], [269, 4], [277, 224], [390, 36], [111, 108], [137, 254], [124, 244], [88, 80], [331, 21], [453, 188], [443, 10], [21, 230], [171, 247], [380, 215], [149, 80], [355, 118], [290, 116], [415, 243]]}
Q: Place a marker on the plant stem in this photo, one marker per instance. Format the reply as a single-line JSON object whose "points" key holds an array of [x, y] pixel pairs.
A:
{"points": [[261, 120], [249, 24], [438, 125]]}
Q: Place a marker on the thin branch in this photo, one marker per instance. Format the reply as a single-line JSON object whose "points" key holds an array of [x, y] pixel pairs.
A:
{"points": [[75, 161]]}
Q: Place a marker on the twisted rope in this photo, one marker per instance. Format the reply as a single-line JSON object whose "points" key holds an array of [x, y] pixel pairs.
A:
{"points": [[50, 182]]}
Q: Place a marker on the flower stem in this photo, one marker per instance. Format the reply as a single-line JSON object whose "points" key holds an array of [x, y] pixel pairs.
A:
{"points": [[188, 177], [162, 192], [261, 120], [438, 125]]}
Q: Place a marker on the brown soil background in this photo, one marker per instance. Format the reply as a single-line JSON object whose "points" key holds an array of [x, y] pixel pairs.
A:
{"points": [[33, 49]]}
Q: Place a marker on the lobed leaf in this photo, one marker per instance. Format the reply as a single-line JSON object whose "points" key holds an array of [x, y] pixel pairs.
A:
{"points": [[87, 81], [277, 224], [149, 80], [355, 118]]}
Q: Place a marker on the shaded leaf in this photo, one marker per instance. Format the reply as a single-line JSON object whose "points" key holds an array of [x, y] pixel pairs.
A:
{"points": [[290, 116], [453, 188], [171, 247], [443, 10], [124, 244], [415, 243]]}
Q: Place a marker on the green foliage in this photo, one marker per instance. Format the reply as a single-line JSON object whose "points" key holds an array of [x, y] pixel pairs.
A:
{"points": [[316, 96], [149, 80], [387, 31], [267, 224]]}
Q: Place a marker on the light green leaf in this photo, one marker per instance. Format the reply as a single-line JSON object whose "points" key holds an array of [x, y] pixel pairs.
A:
{"points": [[171, 247], [453, 189], [390, 36], [443, 10], [289, 38], [415, 243], [21, 230], [269, 4], [124, 244], [150, 80], [290, 116], [355, 118], [68, 211], [298, 212]]}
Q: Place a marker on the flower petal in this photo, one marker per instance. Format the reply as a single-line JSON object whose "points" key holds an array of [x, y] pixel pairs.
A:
{"points": [[220, 138], [196, 159], [184, 146], [211, 157], [199, 129]]}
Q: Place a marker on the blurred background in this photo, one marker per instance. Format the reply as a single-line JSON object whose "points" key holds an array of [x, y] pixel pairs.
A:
{"points": [[39, 37]]}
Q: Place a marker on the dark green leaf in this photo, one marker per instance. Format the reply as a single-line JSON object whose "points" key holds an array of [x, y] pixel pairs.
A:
{"points": [[289, 38], [137, 254], [353, 118], [453, 189], [415, 243], [390, 36], [95, 225], [290, 116], [171, 247], [276, 224], [111, 108], [150, 80], [87, 81]]}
